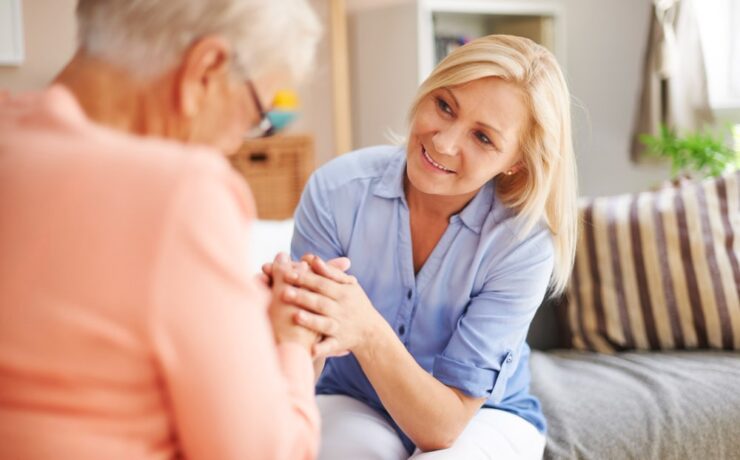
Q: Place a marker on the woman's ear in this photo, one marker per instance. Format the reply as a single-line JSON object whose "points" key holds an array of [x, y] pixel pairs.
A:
{"points": [[515, 168], [204, 65]]}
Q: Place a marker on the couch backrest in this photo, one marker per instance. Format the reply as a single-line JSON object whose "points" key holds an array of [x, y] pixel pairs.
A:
{"points": [[545, 332]]}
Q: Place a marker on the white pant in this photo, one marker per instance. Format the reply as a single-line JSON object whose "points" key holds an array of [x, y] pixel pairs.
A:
{"points": [[351, 430]]}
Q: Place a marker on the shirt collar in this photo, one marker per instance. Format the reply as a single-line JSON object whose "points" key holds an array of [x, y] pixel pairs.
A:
{"points": [[472, 216], [475, 213], [391, 182]]}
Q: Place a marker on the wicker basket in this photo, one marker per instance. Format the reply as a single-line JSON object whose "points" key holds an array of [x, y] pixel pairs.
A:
{"points": [[276, 169]]}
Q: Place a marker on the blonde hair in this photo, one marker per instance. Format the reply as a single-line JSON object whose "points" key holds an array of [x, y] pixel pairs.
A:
{"points": [[547, 182], [147, 37]]}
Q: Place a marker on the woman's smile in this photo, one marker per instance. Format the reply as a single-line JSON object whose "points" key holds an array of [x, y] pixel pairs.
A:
{"points": [[433, 165]]}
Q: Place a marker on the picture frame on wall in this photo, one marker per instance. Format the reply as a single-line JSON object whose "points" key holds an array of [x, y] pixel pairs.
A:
{"points": [[11, 33]]}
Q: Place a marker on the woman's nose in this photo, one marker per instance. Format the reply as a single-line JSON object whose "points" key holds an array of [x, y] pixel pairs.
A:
{"points": [[447, 141]]}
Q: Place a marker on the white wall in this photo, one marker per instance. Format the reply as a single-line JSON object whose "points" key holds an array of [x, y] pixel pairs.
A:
{"points": [[315, 94], [49, 35], [605, 48], [605, 42]]}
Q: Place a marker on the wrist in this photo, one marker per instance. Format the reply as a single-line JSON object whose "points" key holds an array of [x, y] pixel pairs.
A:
{"points": [[377, 333], [297, 336]]}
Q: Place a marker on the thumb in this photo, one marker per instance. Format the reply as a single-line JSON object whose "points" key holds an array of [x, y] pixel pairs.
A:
{"points": [[341, 263]]}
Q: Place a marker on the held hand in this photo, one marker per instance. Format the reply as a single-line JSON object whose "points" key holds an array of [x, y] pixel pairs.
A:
{"points": [[340, 263], [340, 311], [334, 269], [281, 313]]}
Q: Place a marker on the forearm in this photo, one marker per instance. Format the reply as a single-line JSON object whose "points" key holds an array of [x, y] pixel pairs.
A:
{"points": [[343, 312], [300, 429], [429, 412], [232, 404]]}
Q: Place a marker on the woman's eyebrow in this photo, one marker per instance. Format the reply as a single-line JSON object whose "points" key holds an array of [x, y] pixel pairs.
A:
{"points": [[497, 131], [479, 123], [452, 95]]}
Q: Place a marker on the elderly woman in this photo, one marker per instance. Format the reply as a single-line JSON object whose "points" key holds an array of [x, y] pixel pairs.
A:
{"points": [[129, 324]]}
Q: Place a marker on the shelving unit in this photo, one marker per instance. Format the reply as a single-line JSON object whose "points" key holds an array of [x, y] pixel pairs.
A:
{"points": [[393, 48]]}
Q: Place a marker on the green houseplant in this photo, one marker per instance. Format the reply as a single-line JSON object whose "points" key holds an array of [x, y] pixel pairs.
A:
{"points": [[693, 154]]}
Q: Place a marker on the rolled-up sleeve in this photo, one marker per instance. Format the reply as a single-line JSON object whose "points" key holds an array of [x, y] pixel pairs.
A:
{"points": [[484, 349], [315, 229]]}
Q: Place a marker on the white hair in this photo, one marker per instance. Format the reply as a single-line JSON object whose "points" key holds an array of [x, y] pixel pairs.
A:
{"points": [[148, 37]]}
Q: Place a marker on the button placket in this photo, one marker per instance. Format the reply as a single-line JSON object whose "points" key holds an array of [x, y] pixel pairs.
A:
{"points": [[404, 315]]}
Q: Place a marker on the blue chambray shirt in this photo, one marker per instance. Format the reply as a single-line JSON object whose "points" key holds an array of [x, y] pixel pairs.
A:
{"points": [[464, 317]]}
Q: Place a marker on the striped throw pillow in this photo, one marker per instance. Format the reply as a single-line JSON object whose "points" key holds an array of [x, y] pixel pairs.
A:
{"points": [[658, 270]]}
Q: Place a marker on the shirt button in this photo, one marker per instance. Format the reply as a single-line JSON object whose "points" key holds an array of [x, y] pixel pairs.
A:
{"points": [[409, 294], [401, 329]]}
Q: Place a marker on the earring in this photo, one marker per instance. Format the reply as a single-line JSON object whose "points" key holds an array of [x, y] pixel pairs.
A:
{"points": [[509, 172]]}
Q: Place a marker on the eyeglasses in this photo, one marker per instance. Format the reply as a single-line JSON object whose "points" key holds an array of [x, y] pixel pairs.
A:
{"points": [[264, 128]]}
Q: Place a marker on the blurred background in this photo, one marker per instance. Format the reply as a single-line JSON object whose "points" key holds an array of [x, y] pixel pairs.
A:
{"points": [[627, 62]]}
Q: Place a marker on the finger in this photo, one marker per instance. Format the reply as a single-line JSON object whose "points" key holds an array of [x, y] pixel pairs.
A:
{"points": [[328, 271], [281, 265], [281, 258], [308, 300], [302, 266], [329, 347], [307, 257], [317, 323], [264, 279], [267, 269], [315, 283], [340, 263]]}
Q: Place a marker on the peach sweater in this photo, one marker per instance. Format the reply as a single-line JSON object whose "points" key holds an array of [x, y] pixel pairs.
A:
{"points": [[130, 326]]}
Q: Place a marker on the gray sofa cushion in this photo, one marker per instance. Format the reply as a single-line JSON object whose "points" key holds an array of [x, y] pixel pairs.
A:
{"points": [[677, 405]]}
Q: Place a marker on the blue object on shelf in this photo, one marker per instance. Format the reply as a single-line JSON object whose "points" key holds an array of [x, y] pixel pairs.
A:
{"points": [[281, 118]]}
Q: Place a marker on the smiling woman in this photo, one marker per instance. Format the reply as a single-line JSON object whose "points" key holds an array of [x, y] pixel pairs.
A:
{"points": [[454, 240], [485, 116]]}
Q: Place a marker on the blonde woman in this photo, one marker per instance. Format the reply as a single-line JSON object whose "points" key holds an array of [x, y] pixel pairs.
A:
{"points": [[130, 324], [454, 240]]}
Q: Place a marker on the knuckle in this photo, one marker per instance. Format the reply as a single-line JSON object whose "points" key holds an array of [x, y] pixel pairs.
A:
{"points": [[322, 284], [314, 302], [322, 305], [311, 302], [311, 321]]}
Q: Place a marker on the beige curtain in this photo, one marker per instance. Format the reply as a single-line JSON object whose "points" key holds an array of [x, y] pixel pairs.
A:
{"points": [[674, 85]]}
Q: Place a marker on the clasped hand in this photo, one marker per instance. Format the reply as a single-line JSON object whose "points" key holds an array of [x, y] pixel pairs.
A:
{"points": [[329, 302]]}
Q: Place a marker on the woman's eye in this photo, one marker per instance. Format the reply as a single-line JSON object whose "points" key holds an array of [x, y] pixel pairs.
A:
{"points": [[443, 106], [483, 138]]}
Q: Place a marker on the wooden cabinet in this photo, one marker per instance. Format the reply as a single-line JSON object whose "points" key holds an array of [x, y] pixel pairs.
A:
{"points": [[276, 169]]}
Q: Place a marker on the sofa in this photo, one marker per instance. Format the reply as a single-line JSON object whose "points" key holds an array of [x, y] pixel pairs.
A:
{"points": [[627, 365], [634, 405], [639, 360]]}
